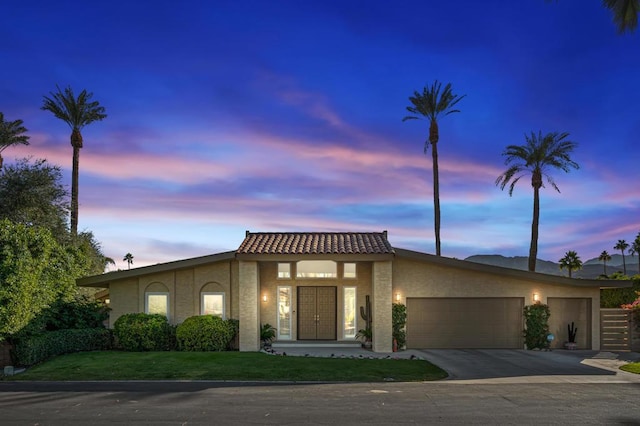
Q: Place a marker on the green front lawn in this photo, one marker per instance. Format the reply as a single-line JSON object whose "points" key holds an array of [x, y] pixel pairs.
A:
{"points": [[632, 367], [226, 366]]}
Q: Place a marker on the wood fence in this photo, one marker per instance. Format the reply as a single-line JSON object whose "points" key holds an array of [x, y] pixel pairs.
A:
{"points": [[616, 331]]}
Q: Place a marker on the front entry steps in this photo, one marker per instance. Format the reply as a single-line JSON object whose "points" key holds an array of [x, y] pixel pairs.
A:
{"points": [[315, 344]]}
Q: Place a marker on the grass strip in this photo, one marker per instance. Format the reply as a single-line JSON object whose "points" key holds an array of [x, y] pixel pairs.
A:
{"points": [[632, 367], [245, 366]]}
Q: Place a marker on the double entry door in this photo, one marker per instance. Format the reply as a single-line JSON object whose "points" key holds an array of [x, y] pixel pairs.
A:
{"points": [[317, 313]]}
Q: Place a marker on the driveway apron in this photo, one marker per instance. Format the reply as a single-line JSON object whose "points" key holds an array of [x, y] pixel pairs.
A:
{"points": [[506, 365]]}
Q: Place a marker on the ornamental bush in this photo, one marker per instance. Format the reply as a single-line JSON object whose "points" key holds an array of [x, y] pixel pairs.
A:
{"points": [[634, 307], [614, 297], [33, 349], [537, 323], [144, 332], [205, 333], [399, 320]]}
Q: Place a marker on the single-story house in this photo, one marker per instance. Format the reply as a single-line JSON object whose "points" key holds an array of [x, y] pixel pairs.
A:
{"points": [[310, 286]]}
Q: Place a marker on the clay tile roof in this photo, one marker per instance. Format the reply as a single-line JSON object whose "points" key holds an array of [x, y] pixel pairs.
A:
{"points": [[315, 243]]}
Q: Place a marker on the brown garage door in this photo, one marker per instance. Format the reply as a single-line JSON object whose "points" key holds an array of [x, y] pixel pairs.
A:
{"points": [[465, 323], [565, 310]]}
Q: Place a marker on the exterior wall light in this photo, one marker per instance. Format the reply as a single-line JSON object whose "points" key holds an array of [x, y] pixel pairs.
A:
{"points": [[397, 297], [264, 298], [536, 298]]}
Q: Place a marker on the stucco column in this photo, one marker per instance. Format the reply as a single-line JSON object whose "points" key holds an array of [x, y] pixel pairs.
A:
{"points": [[249, 300], [382, 301]]}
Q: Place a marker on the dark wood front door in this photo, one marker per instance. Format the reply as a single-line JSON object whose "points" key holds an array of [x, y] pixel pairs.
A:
{"points": [[316, 313]]}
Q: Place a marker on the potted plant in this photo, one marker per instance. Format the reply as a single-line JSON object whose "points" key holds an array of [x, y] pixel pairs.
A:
{"points": [[571, 343], [267, 334], [366, 334]]}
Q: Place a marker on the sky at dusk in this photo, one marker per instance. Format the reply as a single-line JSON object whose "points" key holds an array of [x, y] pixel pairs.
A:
{"points": [[226, 116]]}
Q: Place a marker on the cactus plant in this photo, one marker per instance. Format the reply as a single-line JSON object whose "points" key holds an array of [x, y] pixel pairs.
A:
{"points": [[573, 330], [366, 333], [365, 313]]}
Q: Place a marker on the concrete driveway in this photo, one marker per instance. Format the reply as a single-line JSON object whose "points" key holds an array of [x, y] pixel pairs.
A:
{"points": [[520, 366]]}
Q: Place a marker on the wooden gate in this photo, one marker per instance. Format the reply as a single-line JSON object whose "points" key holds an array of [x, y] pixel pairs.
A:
{"points": [[615, 330]]}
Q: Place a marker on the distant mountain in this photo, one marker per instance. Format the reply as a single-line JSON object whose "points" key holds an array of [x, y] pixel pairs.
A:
{"points": [[591, 268]]}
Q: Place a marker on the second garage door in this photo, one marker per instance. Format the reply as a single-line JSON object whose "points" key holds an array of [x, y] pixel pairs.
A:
{"points": [[465, 323]]}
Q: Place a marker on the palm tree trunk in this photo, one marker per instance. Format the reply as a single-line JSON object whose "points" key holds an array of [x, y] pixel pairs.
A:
{"points": [[74, 192], [76, 143], [436, 185], [533, 249], [624, 263]]}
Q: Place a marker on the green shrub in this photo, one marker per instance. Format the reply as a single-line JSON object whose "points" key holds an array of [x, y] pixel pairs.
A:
{"points": [[537, 323], [399, 320], [234, 344], [204, 333], [33, 349], [144, 332], [615, 297]]}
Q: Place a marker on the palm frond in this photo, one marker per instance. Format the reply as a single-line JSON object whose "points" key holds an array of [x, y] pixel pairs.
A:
{"points": [[431, 102], [538, 154], [12, 133], [76, 112], [625, 13]]}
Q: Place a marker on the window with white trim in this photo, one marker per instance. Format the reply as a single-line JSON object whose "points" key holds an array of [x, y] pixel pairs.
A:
{"points": [[284, 312], [350, 312], [349, 270], [284, 270], [212, 304], [157, 303], [316, 269]]}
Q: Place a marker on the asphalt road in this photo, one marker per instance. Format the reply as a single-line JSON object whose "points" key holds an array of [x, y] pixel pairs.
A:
{"points": [[202, 403], [486, 387]]}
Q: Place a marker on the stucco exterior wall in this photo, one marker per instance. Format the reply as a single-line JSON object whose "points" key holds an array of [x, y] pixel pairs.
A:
{"points": [[124, 299], [421, 279], [184, 287]]}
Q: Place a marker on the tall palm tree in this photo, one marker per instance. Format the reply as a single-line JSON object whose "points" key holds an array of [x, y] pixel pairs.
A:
{"points": [[622, 245], [77, 113], [429, 105], [536, 157], [625, 13], [605, 257], [571, 261], [129, 259], [11, 133]]}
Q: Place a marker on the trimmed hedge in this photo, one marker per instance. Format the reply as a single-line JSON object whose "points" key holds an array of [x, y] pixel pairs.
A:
{"points": [[614, 297], [537, 326], [205, 333], [36, 348], [144, 332]]}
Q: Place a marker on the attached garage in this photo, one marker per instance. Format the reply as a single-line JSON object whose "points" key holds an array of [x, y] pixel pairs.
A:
{"points": [[564, 311], [465, 323]]}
